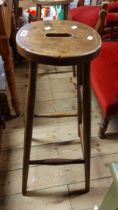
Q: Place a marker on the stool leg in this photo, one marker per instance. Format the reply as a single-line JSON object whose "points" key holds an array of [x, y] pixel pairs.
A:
{"points": [[74, 71], [79, 100], [29, 123], [86, 122]]}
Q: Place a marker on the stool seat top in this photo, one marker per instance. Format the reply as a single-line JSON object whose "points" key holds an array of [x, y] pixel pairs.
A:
{"points": [[52, 2], [58, 42]]}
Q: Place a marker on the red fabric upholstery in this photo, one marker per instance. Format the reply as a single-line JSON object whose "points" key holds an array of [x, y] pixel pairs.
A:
{"points": [[111, 19], [113, 35], [104, 78], [85, 14], [112, 7]]}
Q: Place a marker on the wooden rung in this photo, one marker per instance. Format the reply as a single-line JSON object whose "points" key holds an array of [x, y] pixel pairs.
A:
{"points": [[55, 72], [56, 161], [56, 115]]}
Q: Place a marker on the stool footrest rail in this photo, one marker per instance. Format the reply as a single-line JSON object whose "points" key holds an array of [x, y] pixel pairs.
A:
{"points": [[55, 115], [56, 161]]}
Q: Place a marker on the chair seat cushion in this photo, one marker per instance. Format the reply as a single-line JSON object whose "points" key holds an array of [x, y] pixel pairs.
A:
{"points": [[110, 36], [111, 19], [104, 78], [85, 14]]}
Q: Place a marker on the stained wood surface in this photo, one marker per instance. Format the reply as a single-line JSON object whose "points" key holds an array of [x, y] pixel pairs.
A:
{"points": [[5, 20], [52, 2], [63, 3], [58, 42]]}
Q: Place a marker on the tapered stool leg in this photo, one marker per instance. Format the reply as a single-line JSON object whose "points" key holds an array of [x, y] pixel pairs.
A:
{"points": [[29, 123], [87, 122], [79, 101]]}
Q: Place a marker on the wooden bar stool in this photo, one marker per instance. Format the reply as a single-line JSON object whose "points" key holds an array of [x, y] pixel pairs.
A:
{"points": [[41, 3], [60, 43]]}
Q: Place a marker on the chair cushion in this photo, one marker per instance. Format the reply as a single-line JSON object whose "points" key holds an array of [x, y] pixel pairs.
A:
{"points": [[109, 36], [104, 78], [111, 20], [85, 14], [112, 7]]}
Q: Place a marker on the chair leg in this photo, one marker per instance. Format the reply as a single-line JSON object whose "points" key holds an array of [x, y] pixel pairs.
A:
{"points": [[103, 127], [29, 124]]}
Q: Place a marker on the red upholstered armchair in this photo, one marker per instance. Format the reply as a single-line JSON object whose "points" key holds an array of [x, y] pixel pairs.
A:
{"points": [[111, 7], [93, 16], [111, 22], [104, 81]]}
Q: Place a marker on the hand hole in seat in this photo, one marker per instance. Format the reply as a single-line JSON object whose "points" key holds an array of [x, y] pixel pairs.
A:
{"points": [[58, 35]]}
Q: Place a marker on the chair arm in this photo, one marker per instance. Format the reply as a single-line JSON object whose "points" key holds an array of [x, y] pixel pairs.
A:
{"points": [[100, 24]]}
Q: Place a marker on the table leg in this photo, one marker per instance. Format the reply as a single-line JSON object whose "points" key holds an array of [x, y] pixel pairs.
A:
{"points": [[29, 123]]}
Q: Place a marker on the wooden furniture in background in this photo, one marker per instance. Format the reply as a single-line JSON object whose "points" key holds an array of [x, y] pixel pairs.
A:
{"points": [[6, 19], [60, 43], [111, 22], [41, 3]]}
